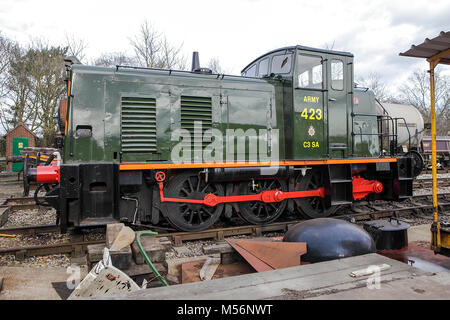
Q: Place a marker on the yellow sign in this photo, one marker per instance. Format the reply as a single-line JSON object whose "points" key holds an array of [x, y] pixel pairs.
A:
{"points": [[311, 99], [313, 114], [20, 145], [311, 144]]}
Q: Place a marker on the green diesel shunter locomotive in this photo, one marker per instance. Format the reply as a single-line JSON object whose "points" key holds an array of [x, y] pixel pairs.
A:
{"points": [[293, 133]]}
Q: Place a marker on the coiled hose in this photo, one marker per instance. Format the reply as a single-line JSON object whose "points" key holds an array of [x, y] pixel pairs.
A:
{"points": [[144, 254]]}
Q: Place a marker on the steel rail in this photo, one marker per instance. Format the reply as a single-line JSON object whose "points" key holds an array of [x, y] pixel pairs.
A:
{"points": [[31, 230], [217, 234], [58, 248]]}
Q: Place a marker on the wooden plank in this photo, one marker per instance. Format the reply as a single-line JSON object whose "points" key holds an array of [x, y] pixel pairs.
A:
{"points": [[272, 284]]}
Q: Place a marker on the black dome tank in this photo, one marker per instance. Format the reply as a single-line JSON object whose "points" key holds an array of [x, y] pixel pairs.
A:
{"points": [[329, 239]]}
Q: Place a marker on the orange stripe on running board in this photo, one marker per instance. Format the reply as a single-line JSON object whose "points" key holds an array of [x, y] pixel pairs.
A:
{"points": [[157, 166]]}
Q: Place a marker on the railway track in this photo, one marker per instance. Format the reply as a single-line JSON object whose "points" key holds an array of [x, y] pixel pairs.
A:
{"points": [[79, 247], [21, 203], [428, 183], [366, 211], [429, 171]]}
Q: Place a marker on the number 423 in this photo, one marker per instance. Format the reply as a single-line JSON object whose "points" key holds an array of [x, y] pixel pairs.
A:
{"points": [[312, 114]]}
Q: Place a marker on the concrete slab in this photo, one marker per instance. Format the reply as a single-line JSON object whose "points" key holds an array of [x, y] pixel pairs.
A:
{"points": [[300, 282], [152, 246], [165, 242], [24, 283], [141, 269], [420, 233], [121, 259], [421, 288], [218, 248], [95, 253]]}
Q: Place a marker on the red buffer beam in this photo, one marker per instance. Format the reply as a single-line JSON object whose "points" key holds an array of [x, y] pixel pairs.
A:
{"points": [[363, 187]]}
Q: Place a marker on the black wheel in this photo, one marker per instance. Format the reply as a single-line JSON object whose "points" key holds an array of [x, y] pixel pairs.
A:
{"points": [[191, 216], [418, 163], [257, 212], [314, 207]]}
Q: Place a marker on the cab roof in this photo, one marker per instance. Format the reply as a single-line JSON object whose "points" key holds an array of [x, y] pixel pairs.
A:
{"points": [[298, 47]]}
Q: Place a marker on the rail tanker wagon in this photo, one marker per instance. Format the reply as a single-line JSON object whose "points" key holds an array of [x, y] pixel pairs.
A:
{"points": [[147, 146]]}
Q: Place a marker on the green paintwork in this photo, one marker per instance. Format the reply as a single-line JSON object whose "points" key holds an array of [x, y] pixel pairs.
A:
{"points": [[18, 144], [155, 103]]}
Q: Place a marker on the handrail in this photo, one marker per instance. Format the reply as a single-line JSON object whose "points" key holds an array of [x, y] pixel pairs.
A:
{"points": [[409, 133], [379, 117]]}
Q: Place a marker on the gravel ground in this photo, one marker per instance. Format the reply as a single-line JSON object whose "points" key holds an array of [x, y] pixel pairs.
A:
{"points": [[430, 190], [22, 218], [33, 240], [429, 176], [56, 260], [195, 248]]}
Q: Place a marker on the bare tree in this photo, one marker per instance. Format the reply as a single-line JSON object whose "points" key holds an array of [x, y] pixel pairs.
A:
{"points": [[153, 50], [329, 46], [373, 82], [171, 57], [17, 102], [76, 47], [114, 59], [35, 83], [416, 91], [6, 46], [214, 65], [147, 45], [47, 74]]}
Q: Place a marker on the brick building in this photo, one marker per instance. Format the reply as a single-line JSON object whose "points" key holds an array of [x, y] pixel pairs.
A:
{"points": [[24, 138]]}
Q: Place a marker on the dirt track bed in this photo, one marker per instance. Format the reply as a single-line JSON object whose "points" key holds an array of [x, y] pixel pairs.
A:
{"points": [[31, 217], [56, 260]]}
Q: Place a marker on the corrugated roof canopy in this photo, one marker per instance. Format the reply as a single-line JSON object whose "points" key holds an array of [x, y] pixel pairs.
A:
{"points": [[431, 48]]}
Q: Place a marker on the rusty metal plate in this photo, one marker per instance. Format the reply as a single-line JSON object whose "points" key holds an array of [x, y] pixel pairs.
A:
{"points": [[255, 262], [277, 255], [190, 271]]}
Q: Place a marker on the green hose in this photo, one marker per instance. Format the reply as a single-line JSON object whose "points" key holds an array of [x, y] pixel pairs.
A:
{"points": [[147, 260]]}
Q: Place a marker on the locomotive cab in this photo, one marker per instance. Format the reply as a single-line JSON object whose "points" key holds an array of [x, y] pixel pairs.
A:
{"points": [[319, 103]]}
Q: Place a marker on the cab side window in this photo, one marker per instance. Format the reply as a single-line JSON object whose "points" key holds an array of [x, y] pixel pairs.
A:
{"points": [[251, 72], [337, 75], [282, 63], [263, 68], [310, 73]]}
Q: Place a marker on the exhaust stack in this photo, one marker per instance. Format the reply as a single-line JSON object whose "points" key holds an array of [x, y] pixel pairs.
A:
{"points": [[196, 65], [195, 62]]}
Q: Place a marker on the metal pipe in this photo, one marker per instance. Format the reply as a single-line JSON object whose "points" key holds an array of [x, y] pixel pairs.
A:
{"points": [[433, 156], [146, 258]]}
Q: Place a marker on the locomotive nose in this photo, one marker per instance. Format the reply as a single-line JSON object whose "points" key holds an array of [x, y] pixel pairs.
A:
{"points": [[44, 174], [31, 175], [47, 173]]}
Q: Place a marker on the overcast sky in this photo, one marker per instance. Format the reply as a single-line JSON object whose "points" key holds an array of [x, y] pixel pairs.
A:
{"points": [[236, 32]]}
